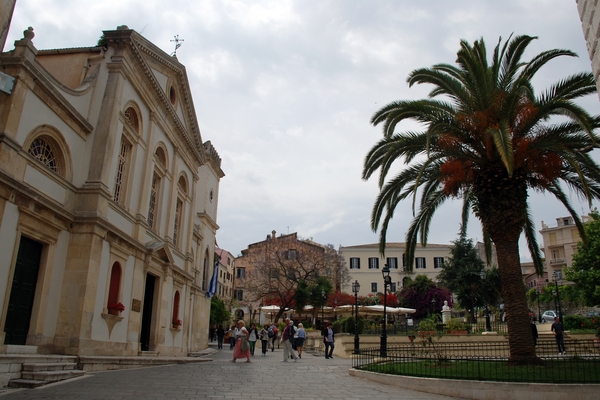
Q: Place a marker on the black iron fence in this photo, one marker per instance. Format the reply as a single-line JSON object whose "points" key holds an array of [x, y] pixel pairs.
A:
{"points": [[485, 361], [403, 328]]}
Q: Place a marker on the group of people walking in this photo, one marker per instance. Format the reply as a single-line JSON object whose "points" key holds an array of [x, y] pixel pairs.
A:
{"points": [[243, 340]]}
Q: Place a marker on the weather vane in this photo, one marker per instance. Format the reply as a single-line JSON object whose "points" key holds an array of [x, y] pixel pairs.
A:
{"points": [[177, 44]]}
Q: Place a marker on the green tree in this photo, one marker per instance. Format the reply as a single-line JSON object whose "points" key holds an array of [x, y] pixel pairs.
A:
{"points": [[488, 141], [218, 311], [585, 270], [462, 275], [301, 295]]}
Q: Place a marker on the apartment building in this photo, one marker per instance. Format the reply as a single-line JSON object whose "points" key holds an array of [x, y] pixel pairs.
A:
{"points": [[560, 243]]}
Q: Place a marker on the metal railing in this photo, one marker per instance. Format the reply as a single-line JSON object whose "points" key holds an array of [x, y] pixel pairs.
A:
{"points": [[485, 361]]}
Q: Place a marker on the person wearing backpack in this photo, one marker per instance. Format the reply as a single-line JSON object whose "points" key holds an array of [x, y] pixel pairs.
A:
{"points": [[264, 338], [273, 336]]}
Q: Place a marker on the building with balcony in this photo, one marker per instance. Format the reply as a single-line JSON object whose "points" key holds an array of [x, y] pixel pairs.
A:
{"points": [[560, 243]]}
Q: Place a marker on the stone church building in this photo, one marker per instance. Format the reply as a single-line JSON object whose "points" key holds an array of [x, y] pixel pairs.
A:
{"points": [[108, 201]]}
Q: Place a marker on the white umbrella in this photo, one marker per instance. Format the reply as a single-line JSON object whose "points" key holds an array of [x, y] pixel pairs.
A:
{"points": [[379, 310], [270, 309]]}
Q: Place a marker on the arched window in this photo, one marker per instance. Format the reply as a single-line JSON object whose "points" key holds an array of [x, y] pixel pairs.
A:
{"points": [[42, 149], [47, 146], [176, 321], [182, 185], [161, 157], [122, 174], [114, 306], [132, 118]]}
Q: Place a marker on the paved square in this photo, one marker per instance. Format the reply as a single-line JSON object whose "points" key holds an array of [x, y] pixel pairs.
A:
{"points": [[265, 378]]}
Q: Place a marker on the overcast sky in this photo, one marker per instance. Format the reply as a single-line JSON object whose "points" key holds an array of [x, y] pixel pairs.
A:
{"points": [[285, 91]]}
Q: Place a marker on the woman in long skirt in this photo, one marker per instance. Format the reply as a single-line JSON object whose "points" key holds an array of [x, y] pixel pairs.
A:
{"points": [[242, 346]]}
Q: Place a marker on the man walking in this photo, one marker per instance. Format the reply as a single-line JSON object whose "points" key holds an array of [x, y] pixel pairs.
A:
{"points": [[559, 335], [328, 338], [287, 344]]}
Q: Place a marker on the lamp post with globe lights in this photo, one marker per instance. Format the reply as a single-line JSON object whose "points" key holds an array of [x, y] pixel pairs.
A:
{"points": [[486, 311], [324, 299], [355, 290], [387, 279]]}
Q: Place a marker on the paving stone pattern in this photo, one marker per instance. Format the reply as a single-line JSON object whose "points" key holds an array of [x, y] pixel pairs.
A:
{"points": [[266, 378]]}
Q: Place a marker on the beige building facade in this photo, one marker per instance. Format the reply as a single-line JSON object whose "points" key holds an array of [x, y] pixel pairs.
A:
{"points": [[365, 264], [560, 243], [226, 274], [108, 201], [589, 13]]}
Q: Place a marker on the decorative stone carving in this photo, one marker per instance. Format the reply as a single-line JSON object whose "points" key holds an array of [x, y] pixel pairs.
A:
{"points": [[28, 33]]}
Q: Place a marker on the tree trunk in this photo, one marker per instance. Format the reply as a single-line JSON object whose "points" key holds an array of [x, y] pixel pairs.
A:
{"points": [[502, 203], [520, 338]]}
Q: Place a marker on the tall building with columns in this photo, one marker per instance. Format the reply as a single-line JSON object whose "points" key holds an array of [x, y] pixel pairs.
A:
{"points": [[108, 201]]}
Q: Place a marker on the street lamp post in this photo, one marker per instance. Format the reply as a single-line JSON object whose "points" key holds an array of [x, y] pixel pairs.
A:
{"points": [[556, 279], [387, 279], [324, 298], [537, 292], [355, 289], [486, 311]]}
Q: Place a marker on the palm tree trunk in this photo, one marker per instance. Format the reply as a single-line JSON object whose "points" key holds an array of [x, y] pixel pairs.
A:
{"points": [[520, 339], [503, 215]]}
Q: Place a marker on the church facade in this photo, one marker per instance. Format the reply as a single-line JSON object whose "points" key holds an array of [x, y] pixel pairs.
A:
{"points": [[108, 201]]}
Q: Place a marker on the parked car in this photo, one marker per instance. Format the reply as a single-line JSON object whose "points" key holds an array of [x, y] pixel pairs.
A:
{"points": [[591, 314], [548, 316]]}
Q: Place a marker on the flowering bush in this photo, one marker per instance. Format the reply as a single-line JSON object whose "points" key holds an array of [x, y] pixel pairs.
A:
{"points": [[119, 307]]}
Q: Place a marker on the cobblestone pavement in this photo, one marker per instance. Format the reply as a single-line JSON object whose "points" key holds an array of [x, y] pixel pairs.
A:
{"points": [[265, 378]]}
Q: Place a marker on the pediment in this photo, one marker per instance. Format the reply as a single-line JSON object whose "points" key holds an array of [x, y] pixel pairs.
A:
{"points": [[162, 73], [161, 251]]}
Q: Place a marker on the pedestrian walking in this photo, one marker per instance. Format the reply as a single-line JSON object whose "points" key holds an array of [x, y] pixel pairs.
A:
{"points": [[329, 339], [220, 336], [534, 332], [232, 334], [253, 337], [293, 331], [211, 333], [300, 338], [242, 346], [559, 335], [273, 335], [263, 335], [287, 344]]}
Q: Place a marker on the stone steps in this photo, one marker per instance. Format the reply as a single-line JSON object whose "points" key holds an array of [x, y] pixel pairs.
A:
{"points": [[40, 373]]}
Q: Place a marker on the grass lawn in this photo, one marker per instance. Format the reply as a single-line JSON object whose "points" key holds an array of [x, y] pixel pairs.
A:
{"points": [[575, 370]]}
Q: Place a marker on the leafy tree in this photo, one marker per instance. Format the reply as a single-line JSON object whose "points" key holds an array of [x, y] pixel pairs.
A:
{"points": [[462, 274], [275, 268], [301, 295], [218, 311], [488, 141], [585, 270], [423, 295], [316, 294]]}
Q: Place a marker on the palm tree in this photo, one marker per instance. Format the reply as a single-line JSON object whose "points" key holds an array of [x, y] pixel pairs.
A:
{"points": [[488, 142]]}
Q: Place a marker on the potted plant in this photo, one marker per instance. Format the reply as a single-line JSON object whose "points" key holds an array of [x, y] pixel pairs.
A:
{"points": [[115, 308], [176, 324]]}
